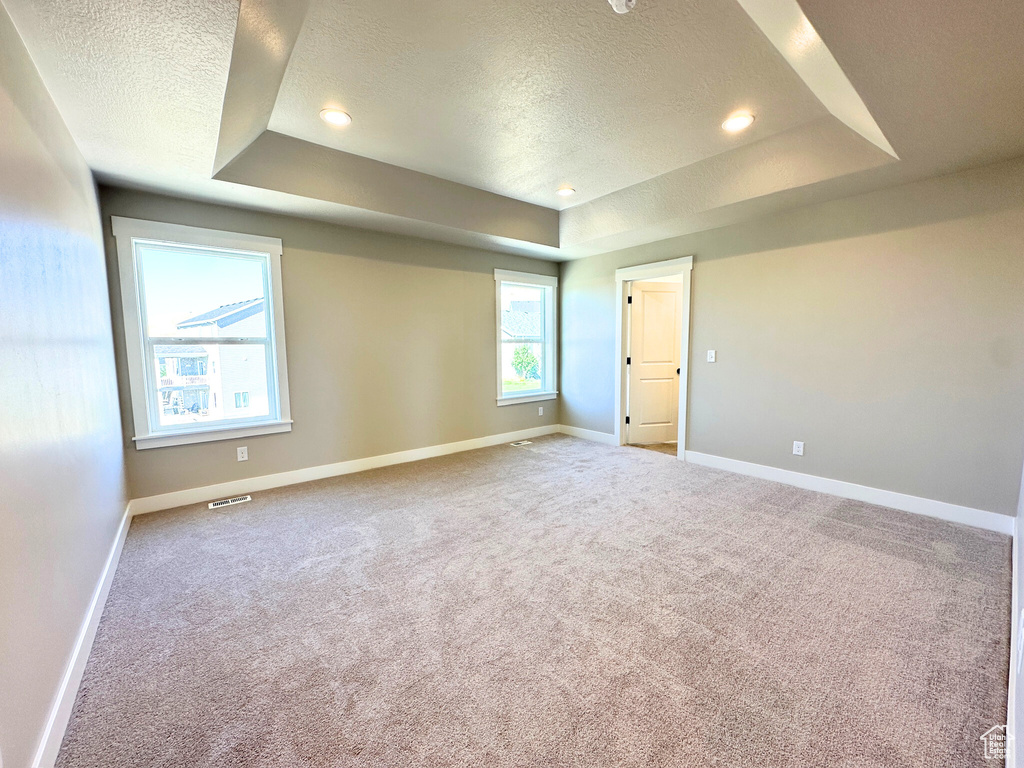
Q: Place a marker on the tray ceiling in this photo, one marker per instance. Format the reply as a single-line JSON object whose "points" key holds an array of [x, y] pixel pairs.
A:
{"points": [[468, 115]]}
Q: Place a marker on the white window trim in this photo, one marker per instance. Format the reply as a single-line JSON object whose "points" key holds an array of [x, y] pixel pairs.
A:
{"points": [[528, 278], [126, 231]]}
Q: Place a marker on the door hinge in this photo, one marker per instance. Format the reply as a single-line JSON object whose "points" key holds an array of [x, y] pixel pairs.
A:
{"points": [[629, 299], [627, 361], [627, 419]]}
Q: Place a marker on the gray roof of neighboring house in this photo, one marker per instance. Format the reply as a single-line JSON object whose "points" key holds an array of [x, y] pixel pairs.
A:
{"points": [[225, 315], [178, 350], [524, 319]]}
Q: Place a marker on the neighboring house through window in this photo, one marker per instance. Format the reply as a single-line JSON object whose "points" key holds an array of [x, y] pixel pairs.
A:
{"points": [[203, 317], [526, 336]]}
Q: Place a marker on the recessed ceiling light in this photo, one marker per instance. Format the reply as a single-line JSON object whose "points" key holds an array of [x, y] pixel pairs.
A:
{"points": [[335, 117], [565, 191], [737, 122]]}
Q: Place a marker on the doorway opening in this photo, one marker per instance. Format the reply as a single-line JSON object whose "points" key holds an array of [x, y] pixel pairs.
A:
{"points": [[653, 342]]}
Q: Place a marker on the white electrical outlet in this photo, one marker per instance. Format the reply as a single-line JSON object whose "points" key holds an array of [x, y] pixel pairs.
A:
{"points": [[798, 448], [243, 453], [711, 355], [540, 410]]}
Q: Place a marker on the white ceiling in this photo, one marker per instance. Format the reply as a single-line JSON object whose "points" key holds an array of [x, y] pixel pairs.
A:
{"points": [[140, 84], [468, 114], [521, 97]]}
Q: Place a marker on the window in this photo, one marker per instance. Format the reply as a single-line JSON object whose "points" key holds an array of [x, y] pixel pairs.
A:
{"points": [[204, 325], [526, 336]]}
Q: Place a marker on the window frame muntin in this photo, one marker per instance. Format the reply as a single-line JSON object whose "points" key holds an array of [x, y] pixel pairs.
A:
{"points": [[140, 347], [151, 342], [549, 339]]}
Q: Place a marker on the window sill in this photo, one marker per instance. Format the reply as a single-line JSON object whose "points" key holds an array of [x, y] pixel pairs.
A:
{"points": [[163, 440], [533, 397]]}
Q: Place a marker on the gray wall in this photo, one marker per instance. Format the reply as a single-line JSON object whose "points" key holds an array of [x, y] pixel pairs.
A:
{"points": [[886, 331], [391, 346], [61, 467]]}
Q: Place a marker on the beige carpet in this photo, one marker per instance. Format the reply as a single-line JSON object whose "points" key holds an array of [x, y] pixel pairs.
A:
{"points": [[561, 604]]}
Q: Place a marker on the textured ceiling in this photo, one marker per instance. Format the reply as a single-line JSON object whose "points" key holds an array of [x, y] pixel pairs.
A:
{"points": [[264, 40], [791, 32], [521, 97], [140, 84], [468, 114], [944, 78]]}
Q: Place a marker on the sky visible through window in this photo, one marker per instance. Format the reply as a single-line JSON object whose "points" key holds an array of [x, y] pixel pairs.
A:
{"points": [[522, 342], [180, 284]]}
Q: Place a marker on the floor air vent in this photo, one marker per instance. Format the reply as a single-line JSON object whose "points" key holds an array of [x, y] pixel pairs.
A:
{"points": [[521, 442], [229, 502]]}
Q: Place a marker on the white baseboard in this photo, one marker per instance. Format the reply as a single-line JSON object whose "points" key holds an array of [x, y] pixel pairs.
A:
{"points": [[279, 479], [1015, 650], [64, 702], [953, 513], [60, 712], [588, 434]]}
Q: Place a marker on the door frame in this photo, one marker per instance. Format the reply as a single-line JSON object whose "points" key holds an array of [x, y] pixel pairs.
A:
{"points": [[681, 267]]}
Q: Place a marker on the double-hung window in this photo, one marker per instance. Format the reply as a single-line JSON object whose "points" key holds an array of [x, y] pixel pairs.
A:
{"points": [[526, 336], [204, 327]]}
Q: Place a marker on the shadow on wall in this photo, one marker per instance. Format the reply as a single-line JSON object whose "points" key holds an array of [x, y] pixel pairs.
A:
{"points": [[989, 189], [314, 236], [883, 329]]}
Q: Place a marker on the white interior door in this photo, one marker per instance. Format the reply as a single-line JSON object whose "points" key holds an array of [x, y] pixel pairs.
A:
{"points": [[654, 346]]}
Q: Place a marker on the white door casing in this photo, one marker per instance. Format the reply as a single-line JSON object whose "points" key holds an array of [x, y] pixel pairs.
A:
{"points": [[680, 268], [654, 351]]}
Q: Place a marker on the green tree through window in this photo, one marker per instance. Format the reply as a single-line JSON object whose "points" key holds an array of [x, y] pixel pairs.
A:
{"points": [[525, 363]]}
